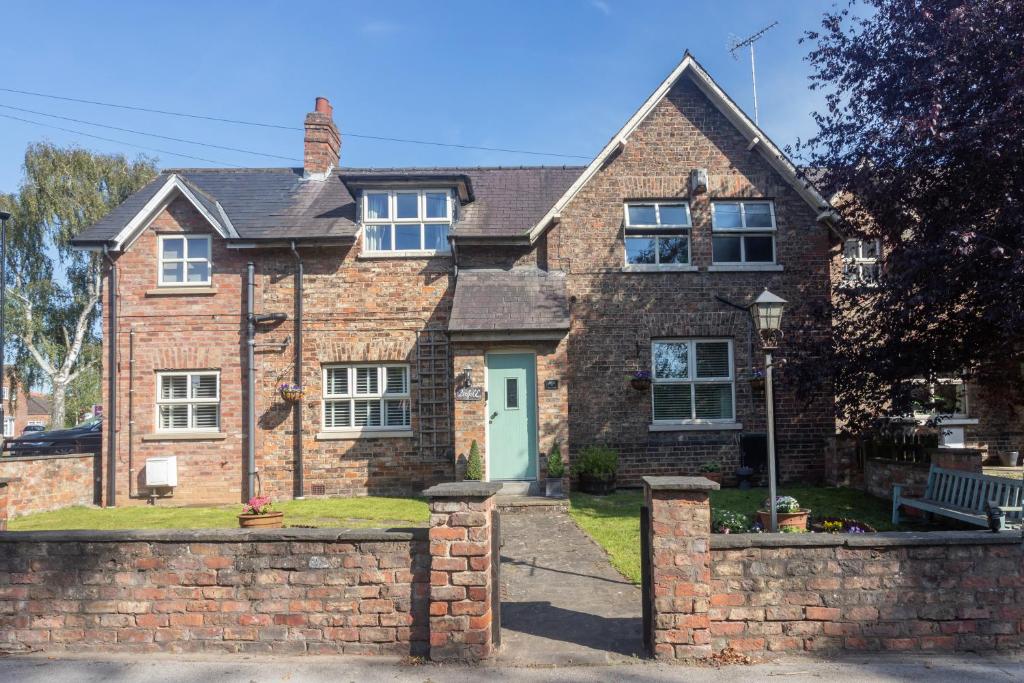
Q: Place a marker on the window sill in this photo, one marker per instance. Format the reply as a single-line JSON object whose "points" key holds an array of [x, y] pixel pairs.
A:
{"points": [[353, 434], [410, 254], [185, 436], [654, 268], [182, 291], [696, 427], [745, 268], [947, 422]]}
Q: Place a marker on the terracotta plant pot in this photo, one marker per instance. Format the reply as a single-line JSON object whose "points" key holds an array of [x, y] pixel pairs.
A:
{"points": [[292, 395], [713, 476], [640, 384], [787, 520], [271, 520]]}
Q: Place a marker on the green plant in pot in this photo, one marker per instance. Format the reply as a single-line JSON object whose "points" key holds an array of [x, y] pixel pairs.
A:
{"points": [[556, 470], [790, 516], [712, 469], [474, 464], [596, 468]]}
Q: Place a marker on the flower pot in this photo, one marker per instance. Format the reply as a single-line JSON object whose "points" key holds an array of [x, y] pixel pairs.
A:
{"points": [[271, 520], [787, 520], [640, 383], [713, 476], [553, 487], [1008, 459], [598, 485], [292, 395], [743, 476]]}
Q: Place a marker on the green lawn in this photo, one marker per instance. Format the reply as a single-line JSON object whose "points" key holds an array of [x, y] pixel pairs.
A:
{"points": [[328, 512], [614, 521]]}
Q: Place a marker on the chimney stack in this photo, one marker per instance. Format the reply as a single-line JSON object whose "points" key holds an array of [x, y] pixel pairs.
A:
{"points": [[322, 141]]}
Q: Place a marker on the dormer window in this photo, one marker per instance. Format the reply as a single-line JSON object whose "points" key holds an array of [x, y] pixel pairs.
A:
{"points": [[184, 260], [412, 222]]}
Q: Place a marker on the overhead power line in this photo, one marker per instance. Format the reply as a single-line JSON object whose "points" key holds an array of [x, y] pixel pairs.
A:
{"points": [[259, 124], [119, 142], [154, 135]]}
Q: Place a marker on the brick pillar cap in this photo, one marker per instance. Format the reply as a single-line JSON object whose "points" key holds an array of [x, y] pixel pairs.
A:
{"points": [[680, 484], [463, 489]]}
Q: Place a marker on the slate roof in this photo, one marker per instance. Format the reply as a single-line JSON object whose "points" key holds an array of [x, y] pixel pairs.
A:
{"points": [[500, 300], [277, 203], [38, 404]]}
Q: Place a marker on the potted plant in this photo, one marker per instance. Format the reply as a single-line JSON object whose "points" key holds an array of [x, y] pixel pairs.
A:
{"points": [[556, 470], [474, 464], [292, 393], [712, 469], [597, 467], [257, 514], [728, 522], [640, 380], [743, 475], [757, 379], [789, 514]]}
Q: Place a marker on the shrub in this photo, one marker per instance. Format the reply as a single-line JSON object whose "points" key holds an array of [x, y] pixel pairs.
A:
{"points": [[729, 522], [556, 468], [474, 464], [782, 504], [711, 466], [597, 461]]}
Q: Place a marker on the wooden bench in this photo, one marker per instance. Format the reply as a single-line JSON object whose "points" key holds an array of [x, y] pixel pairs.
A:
{"points": [[965, 496]]}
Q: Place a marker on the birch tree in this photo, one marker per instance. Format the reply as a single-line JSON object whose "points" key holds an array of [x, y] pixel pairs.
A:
{"points": [[54, 291]]}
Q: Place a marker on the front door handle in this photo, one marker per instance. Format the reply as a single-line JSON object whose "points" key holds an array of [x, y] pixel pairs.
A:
{"points": [[493, 415]]}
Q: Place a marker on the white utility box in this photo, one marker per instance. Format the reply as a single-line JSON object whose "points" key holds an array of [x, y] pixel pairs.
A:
{"points": [[162, 471]]}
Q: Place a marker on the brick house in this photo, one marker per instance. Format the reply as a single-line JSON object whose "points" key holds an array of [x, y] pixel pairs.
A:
{"points": [[422, 309], [23, 408]]}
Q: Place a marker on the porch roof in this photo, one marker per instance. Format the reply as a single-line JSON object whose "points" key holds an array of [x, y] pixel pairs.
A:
{"points": [[517, 300]]}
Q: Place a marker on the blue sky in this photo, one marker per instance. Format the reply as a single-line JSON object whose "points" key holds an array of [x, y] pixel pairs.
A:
{"points": [[557, 76]]}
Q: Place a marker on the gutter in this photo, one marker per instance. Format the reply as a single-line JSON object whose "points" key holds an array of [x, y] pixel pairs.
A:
{"points": [[299, 483], [111, 383]]}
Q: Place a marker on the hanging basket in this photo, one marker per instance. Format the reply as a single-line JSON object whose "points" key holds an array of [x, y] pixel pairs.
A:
{"points": [[757, 383], [640, 383], [292, 394]]}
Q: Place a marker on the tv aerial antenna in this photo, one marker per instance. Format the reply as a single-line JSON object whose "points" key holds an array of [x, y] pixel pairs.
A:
{"points": [[736, 44]]}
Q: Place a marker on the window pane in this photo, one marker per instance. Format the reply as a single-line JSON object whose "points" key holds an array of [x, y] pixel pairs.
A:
{"points": [[759, 215], [759, 249], [173, 247], [198, 247], [671, 361], [674, 214], [337, 382], [672, 402], [725, 249], [204, 386], [199, 272], [367, 413], [640, 249], [949, 399], [407, 205], [851, 249], [396, 413], [377, 206], [673, 250], [726, 215], [869, 249], [337, 414], [366, 380], [511, 393], [641, 214], [174, 416], [713, 401], [174, 272], [396, 382], [437, 205], [205, 416], [712, 359], [174, 386], [378, 238], [407, 237], [436, 236]]}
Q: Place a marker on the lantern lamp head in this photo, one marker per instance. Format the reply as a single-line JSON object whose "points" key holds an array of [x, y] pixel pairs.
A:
{"points": [[767, 314]]}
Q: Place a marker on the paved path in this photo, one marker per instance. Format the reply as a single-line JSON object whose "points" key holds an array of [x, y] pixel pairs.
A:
{"points": [[267, 669], [562, 602]]}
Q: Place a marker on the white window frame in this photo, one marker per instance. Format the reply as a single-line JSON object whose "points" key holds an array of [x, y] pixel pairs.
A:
{"points": [[185, 260], [965, 412], [742, 232], [684, 233], [188, 400], [693, 380], [381, 395], [421, 220], [859, 264]]}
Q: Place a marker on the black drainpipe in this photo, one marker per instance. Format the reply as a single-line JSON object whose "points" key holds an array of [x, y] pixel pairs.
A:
{"points": [[111, 419], [299, 484], [250, 381]]}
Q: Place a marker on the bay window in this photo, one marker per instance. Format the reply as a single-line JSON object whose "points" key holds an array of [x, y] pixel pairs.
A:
{"points": [[366, 397], [406, 221], [692, 381], [743, 232]]}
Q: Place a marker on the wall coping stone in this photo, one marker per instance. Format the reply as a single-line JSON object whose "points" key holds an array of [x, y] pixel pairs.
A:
{"points": [[215, 535], [680, 484], [463, 489], [46, 456], [878, 540]]}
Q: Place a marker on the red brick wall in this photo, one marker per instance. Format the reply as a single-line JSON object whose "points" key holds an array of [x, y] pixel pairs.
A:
{"points": [[617, 314], [17, 406], [48, 482]]}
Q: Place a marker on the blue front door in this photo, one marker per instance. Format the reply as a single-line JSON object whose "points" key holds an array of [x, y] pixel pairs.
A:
{"points": [[512, 416]]}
